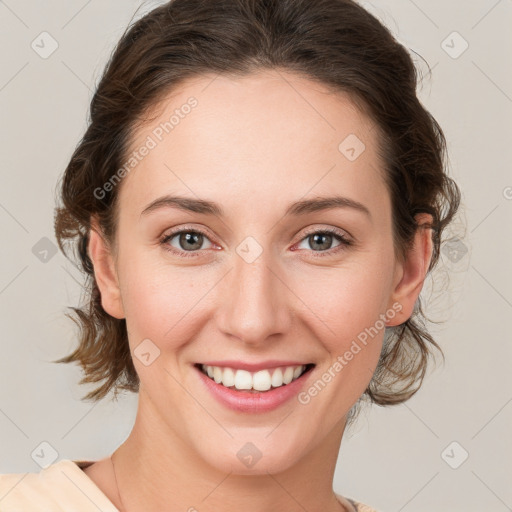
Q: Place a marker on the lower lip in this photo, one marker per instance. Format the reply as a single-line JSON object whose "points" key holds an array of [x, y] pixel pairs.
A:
{"points": [[253, 402]]}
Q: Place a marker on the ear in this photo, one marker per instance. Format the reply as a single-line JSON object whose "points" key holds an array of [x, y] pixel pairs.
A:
{"points": [[105, 272], [410, 275]]}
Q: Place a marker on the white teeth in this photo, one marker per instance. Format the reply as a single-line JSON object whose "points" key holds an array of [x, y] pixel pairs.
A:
{"points": [[217, 374], [228, 377], [277, 378], [262, 380], [243, 380], [297, 371], [288, 375]]}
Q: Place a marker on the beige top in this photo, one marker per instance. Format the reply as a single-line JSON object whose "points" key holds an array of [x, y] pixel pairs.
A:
{"points": [[64, 487]]}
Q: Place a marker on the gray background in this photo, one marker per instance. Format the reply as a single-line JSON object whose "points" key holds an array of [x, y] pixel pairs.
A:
{"points": [[396, 459]]}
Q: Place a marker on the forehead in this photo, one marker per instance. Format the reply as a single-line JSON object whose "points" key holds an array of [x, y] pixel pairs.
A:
{"points": [[253, 139]]}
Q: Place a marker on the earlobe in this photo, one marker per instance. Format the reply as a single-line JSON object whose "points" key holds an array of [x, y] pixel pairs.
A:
{"points": [[413, 271], [104, 272]]}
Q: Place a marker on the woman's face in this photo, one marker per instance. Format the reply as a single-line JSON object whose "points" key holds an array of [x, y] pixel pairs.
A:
{"points": [[254, 283]]}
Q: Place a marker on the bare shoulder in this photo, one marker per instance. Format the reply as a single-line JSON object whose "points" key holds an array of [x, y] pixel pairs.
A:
{"points": [[101, 473]]}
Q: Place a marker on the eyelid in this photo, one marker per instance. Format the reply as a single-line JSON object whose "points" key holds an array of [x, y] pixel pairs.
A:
{"points": [[328, 229], [345, 241], [167, 236], [188, 228], [308, 231]]}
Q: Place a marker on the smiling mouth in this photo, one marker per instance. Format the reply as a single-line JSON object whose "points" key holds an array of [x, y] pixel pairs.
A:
{"points": [[250, 382]]}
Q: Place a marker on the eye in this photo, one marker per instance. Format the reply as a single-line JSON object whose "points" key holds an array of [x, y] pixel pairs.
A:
{"points": [[321, 240], [187, 241]]}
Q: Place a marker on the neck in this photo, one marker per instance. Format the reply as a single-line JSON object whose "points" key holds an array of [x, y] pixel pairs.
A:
{"points": [[153, 468]]}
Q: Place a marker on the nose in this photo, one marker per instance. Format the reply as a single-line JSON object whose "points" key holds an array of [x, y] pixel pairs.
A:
{"points": [[254, 301]]}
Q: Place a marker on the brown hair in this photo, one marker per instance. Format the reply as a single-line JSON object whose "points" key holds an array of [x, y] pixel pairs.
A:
{"points": [[335, 42]]}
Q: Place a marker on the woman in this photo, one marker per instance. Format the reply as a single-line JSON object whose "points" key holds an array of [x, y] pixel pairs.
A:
{"points": [[257, 201]]}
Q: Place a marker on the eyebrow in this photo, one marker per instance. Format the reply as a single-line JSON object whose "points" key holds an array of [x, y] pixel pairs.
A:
{"points": [[298, 208]]}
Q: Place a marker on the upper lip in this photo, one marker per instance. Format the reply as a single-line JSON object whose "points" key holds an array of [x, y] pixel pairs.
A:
{"points": [[253, 367]]}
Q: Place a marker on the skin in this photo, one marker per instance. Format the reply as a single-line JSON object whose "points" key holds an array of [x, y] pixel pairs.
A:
{"points": [[253, 145]]}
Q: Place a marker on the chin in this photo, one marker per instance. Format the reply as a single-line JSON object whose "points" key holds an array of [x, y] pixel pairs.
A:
{"points": [[249, 458]]}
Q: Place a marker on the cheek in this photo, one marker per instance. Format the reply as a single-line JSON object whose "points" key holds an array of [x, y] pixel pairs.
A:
{"points": [[158, 302], [344, 300], [348, 309]]}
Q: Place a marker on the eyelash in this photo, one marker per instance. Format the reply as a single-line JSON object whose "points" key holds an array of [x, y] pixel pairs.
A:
{"points": [[339, 235], [344, 242]]}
